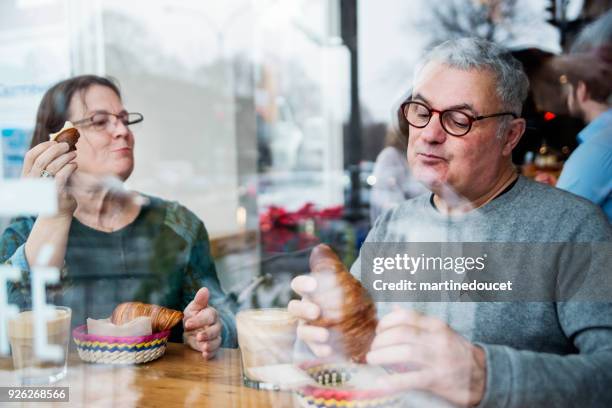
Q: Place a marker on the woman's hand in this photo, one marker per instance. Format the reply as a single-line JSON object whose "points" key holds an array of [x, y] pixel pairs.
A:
{"points": [[55, 159], [202, 326]]}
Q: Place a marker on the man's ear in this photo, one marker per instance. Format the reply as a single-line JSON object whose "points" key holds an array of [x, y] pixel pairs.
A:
{"points": [[582, 92], [513, 135]]}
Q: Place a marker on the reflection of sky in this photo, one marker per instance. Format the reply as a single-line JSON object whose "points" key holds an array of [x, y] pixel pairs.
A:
{"points": [[391, 41], [34, 52], [187, 30], [197, 32]]}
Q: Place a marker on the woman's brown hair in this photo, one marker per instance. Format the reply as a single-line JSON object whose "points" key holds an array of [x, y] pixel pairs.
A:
{"points": [[397, 135], [54, 106]]}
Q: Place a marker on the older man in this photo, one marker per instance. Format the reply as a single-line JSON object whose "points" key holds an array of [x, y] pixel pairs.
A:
{"points": [[464, 119]]}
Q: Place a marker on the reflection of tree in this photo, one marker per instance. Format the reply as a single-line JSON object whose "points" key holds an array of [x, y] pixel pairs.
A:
{"points": [[132, 48], [128, 44], [302, 93], [488, 19], [243, 75]]}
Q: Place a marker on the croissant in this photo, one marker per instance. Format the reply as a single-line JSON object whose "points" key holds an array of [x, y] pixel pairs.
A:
{"points": [[162, 318], [357, 320], [67, 134]]}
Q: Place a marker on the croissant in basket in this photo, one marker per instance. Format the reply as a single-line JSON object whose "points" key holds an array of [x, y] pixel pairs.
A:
{"points": [[357, 320], [162, 318]]}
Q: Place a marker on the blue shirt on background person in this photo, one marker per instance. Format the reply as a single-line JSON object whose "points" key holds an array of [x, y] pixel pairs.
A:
{"points": [[588, 171]]}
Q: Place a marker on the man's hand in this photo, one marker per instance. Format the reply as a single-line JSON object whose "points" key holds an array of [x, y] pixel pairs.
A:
{"points": [[433, 357], [545, 178], [321, 297], [202, 328]]}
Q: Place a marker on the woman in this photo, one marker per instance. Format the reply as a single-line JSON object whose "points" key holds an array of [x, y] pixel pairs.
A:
{"points": [[394, 182], [113, 245]]}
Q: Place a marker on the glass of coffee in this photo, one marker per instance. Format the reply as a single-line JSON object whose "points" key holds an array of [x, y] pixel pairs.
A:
{"points": [[266, 338], [29, 367]]}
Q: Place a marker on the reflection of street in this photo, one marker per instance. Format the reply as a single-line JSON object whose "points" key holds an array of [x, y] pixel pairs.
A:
{"points": [[285, 138], [292, 189]]}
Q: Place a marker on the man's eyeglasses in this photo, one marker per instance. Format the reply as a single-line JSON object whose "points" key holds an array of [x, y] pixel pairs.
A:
{"points": [[107, 120], [454, 122]]}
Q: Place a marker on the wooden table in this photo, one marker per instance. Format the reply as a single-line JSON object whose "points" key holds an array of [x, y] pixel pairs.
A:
{"points": [[181, 378]]}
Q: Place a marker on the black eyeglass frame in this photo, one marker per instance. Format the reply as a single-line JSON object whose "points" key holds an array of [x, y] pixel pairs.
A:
{"points": [[471, 119]]}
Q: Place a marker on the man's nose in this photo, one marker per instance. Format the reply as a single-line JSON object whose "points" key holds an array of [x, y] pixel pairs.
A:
{"points": [[433, 132]]}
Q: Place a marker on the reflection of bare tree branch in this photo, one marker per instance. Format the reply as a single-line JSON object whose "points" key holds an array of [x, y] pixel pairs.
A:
{"points": [[133, 48], [447, 19], [302, 93], [136, 55], [491, 20]]}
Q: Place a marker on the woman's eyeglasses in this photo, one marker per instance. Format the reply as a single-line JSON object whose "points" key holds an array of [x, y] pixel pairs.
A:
{"points": [[107, 120]]}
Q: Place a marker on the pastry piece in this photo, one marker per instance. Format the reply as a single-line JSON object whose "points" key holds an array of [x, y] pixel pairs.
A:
{"points": [[68, 134], [161, 318], [357, 320]]}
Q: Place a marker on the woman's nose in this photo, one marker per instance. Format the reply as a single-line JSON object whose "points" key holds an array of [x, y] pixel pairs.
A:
{"points": [[120, 129]]}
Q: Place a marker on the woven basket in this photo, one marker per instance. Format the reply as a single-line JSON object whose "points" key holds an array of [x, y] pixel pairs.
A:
{"points": [[333, 389], [119, 350]]}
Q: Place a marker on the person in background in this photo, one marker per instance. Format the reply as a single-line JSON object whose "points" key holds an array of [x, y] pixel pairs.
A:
{"points": [[587, 75], [393, 181], [112, 245], [588, 171]]}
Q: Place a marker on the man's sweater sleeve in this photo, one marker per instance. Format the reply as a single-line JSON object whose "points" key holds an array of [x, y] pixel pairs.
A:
{"points": [[520, 378]]}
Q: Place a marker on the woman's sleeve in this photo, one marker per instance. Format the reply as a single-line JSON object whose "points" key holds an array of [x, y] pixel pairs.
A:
{"points": [[204, 274], [12, 243], [12, 251]]}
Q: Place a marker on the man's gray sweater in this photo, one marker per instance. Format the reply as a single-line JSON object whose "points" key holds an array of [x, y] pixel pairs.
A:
{"points": [[537, 353]]}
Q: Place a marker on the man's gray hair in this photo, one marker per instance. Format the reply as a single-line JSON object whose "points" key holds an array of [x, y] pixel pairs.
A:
{"points": [[512, 84]]}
